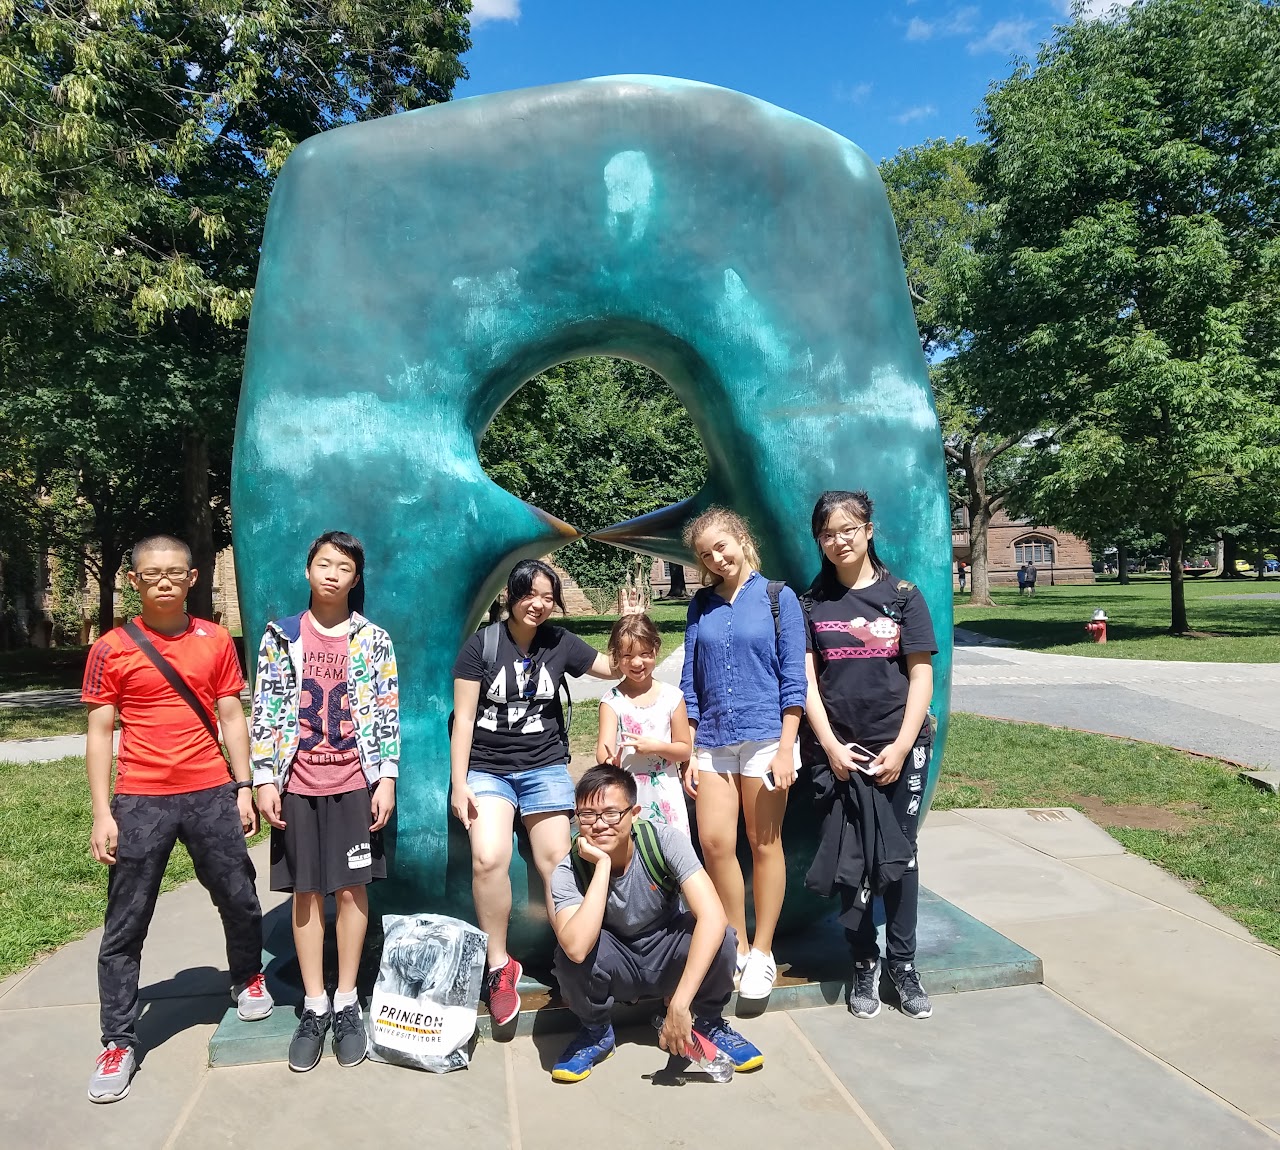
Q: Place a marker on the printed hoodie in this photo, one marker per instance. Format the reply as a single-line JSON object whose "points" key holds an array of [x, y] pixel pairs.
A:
{"points": [[372, 689]]}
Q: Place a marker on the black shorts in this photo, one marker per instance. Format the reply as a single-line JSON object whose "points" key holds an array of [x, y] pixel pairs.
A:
{"points": [[326, 843]]}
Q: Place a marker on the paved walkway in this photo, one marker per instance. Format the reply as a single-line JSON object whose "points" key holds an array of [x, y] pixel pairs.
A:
{"points": [[1226, 709], [1158, 1025]]}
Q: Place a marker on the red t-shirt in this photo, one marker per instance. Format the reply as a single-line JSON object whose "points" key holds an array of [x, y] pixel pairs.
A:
{"points": [[328, 760], [164, 748]]}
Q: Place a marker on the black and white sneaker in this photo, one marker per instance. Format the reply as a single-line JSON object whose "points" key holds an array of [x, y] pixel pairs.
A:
{"points": [[911, 996], [308, 1040], [864, 994], [350, 1042]]}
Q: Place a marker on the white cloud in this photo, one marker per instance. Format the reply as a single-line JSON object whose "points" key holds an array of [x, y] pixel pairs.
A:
{"points": [[919, 112], [852, 93], [482, 11], [1097, 9], [957, 22], [1006, 37]]}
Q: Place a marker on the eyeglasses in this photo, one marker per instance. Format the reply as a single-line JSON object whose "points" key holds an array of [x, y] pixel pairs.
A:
{"points": [[826, 538], [610, 818], [173, 574]]}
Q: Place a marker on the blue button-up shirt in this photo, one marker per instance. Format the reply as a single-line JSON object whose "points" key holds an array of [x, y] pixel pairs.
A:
{"points": [[738, 675]]}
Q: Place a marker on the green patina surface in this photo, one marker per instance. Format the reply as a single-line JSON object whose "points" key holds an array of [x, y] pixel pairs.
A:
{"points": [[417, 270]]}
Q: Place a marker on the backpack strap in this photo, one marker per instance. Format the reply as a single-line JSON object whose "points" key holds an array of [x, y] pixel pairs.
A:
{"points": [[581, 867], [902, 592], [489, 648], [774, 590], [645, 835]]}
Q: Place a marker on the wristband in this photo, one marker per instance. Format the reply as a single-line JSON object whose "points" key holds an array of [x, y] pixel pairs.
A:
{"points": [[241, 784]]}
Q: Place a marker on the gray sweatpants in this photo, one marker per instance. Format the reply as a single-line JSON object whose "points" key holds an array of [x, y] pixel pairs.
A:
{"points": [[647, 966], [207, 823]]}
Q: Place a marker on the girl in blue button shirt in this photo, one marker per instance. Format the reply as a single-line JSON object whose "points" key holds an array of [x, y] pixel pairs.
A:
{"points": [[744, 687]]}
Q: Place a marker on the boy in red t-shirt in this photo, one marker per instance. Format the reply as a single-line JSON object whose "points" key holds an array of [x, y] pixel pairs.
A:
{"points": [[172, 784]]}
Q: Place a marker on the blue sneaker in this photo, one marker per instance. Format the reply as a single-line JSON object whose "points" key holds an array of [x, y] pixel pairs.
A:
{"points": [[593, 1044], [743, 1054]]}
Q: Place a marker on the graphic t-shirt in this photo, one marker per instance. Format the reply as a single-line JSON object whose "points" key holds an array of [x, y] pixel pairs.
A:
{"points": [[520, 719], [164, 748], [635, 906], [861, 654], [328, 760]]}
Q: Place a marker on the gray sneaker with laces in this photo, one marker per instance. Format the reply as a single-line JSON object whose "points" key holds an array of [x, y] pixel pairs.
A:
{"points": [[350, 1042], [112, 1074], [308, 1040], [911, 996], [864, 994]]}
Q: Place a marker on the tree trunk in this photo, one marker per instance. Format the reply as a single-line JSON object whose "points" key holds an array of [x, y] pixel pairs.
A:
{"points": [[199, 522], [1177, 586], [1122, 562], [678, 590], [1230, 553], [975, 481], [112, 554], [1262, 562]]}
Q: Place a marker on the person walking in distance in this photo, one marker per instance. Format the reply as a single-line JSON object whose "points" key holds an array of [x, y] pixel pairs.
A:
{"points": [[1031, 580], [326, 756], [173, 680]]}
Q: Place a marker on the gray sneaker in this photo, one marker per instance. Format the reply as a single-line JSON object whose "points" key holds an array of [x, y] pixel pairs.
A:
{"points": [[350, 1043], [112, 1074], [308, 1040], [911, 996], [253, 1000], [864, 994]]}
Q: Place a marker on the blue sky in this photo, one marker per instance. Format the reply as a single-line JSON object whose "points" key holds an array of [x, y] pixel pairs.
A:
{"points": [[886, 75]]}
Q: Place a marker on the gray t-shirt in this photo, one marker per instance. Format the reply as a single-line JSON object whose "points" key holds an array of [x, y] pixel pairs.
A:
{"points": [[635, 905]]}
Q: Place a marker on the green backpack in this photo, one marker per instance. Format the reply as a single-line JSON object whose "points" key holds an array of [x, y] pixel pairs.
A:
{"points": [[645, 837]]}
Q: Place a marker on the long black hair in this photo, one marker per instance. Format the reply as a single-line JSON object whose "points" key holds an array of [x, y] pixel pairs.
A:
{"points": [[520, 582], [857, 504], [353, 549]]}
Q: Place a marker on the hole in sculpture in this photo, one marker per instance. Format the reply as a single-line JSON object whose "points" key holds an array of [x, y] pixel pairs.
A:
{"points": [[596, 441]]}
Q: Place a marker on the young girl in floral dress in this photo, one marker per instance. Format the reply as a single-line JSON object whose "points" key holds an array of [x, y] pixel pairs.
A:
{"points": [[644, 727]]}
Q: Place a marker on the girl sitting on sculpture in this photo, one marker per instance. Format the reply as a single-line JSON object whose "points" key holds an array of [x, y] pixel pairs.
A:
{"points": [[509, 750]]}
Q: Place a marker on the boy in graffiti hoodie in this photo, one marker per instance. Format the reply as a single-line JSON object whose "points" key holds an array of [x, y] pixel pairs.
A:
{"points": [[326, 749]]}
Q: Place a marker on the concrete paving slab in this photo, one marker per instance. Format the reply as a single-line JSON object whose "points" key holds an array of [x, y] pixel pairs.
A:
{"points": [[945, 819], [1148, 880], [46, 1057], [1201, 1000], [1017, 1068], [1272, 1121], [1062, 832], [998, 880], [789, 1102], [367, 1105]]}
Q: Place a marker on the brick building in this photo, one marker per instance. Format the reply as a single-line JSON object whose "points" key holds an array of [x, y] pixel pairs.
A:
{"points": [[1059, 556]]}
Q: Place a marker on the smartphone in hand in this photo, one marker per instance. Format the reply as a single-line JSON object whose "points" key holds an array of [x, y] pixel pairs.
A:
{"points": [[866, 768], [769, 781]]}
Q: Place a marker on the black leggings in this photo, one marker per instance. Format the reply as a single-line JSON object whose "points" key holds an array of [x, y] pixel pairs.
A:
{"points": [[902, 898]]}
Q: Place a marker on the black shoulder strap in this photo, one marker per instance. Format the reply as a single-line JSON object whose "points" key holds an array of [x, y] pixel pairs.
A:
{"points": [[902, 594], [774, 588], [489, 648], [171, 676]]}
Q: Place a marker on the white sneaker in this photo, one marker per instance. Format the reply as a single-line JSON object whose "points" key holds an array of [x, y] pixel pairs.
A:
{"points": [[739, 964], [112, 1074], [253, 1000], [758, 976]]}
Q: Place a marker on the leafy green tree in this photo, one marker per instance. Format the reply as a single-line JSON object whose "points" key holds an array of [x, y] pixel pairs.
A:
{"points": [[595, 441], [139, 142], [1133, 281]]}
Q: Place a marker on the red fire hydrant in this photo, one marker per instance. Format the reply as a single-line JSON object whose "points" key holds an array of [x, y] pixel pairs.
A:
{"points": [[1097, 626]]}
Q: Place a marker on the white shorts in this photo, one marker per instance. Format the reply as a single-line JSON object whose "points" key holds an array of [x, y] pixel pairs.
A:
{"points": [[750, 759]]}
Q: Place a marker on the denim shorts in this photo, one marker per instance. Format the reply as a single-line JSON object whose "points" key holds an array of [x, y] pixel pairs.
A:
{"points": [[533, 792]]}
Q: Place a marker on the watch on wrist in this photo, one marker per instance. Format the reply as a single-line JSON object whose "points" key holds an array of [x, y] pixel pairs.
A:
{"points": [[242, 784]]}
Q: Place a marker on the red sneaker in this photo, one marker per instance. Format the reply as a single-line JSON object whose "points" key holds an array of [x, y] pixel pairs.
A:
{"points": [[504, 997]]}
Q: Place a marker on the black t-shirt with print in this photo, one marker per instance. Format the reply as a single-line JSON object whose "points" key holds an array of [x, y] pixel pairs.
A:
{"points": [[519, 727], [861, 653]]}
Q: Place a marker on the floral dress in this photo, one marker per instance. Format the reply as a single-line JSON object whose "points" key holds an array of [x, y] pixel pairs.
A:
{"points": [[658, 790]]}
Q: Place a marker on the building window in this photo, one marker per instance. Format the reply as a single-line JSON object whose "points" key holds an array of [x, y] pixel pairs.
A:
{"points": [[666, 570], [1034, 549]]}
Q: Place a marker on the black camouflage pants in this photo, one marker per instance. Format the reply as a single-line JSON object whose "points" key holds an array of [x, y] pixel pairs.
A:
{"points": [[207, 823]]}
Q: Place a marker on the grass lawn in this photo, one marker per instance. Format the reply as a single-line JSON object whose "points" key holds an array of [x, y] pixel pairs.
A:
{"points": [[40, 722], [1192, 816], [668, 616], [42, 668], [1229, 630], [51, 890]]}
